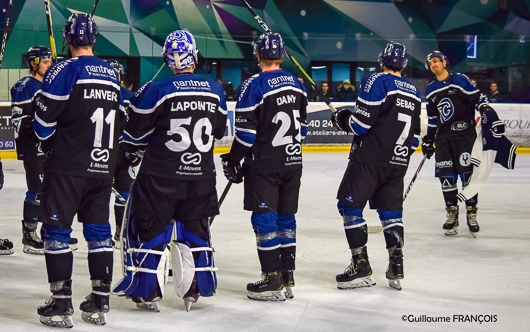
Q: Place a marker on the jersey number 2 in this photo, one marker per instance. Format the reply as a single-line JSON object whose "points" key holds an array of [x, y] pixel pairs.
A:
{"points": [[281, 138]]}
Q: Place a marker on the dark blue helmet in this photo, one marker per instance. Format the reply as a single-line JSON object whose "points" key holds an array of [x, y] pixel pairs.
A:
{"points": [[180, 50], [394, 56], [80, 30], [435, 54], [37, 53], [269, 46], [114, 64]]}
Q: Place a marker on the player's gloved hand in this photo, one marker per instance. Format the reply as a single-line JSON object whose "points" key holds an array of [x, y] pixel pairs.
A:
{"points": [[1, 176], [341, 120], [497, 126], [135, 158], [231, 169], [427, 146]]}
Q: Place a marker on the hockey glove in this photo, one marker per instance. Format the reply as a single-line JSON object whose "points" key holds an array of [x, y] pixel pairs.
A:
{"points": [[427, 146], [231, 169], [1, 176], [490, 116], [341, 120], [135, 158]]}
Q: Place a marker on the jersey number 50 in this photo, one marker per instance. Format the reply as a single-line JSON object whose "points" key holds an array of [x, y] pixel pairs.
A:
{"points": [[200, 127]]}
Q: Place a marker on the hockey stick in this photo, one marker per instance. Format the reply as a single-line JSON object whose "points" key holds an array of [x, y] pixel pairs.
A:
{"points": [[158, 72], [223, 196], [6, 26], [293, 60], [50, 29], [119, 196], [94, 8], [414, 177]]}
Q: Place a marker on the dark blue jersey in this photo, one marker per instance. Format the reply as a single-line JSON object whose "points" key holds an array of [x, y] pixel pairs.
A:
{"points": [[79, 116], [177, 120], [386, 121], [270, 122], [451, 106], [23, 111]]}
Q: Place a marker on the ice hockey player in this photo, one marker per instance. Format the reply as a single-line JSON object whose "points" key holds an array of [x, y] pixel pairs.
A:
{"points": [[270, 126], [6, 246], [126, 166], [453, 103], [385, 119], [176, 121], [78, 121]]}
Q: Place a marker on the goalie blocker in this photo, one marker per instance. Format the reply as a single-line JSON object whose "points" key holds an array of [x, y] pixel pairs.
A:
{"points": [[146, 266]]}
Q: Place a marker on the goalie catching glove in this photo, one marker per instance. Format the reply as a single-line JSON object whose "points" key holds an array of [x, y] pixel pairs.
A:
{"points": [[231, 169]]}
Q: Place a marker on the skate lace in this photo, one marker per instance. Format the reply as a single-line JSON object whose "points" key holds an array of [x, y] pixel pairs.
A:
{"points": [[350, 270], [263, 279], [451, 217], [472, 219], [33, 236]]}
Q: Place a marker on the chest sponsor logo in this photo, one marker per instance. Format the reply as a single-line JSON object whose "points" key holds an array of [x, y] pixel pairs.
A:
{"points": [[446, 109], [465, 159], [459, 126], [102, 155]]}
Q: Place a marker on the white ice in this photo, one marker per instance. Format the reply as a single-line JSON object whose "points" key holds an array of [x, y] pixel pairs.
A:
{"points": [[486, 278]]}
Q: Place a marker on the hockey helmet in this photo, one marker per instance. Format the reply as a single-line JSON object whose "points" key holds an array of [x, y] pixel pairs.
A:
{"points": [[269, 46], [394, 56], [80, 30], [180, 50], [114, 64], [436, 54], [36, 54]]}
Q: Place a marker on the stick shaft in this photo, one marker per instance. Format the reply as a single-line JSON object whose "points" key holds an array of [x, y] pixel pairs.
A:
{"points": [[222, 198], [414, 177], [6, 27], [47, 6]]}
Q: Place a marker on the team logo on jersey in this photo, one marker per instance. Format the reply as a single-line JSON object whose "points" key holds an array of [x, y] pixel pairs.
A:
{"points": [[191, 158], [401, 150], [100, 155], [460, 125], [292, 149], [133, 170], [465, 159], [446, 109]]}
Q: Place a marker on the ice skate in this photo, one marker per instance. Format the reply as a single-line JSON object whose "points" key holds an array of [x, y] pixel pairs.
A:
{"points": [[269, 288], [6, 247], [96, 304], [192, 295], [451, 224], [394, 272], [472, 222], [288, 283], [358, 274], [73, 243], [31, 241], [57, 311], [149, 303]]}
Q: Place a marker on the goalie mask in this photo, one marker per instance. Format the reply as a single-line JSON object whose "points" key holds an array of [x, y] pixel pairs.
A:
{"points": [[435, 54], [36, 54], [80, 30], [180, 50], [394, 56], [269, 46]]}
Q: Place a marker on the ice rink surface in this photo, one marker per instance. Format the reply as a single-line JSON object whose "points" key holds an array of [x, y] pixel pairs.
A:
{"points": [[452, 280]]}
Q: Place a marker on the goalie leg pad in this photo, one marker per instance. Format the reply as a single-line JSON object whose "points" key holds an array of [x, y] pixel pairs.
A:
{"points": [[192, 256], [145, 265]]}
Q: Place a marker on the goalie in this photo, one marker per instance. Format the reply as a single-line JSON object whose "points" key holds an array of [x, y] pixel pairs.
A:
{"points": [[176, 121]]}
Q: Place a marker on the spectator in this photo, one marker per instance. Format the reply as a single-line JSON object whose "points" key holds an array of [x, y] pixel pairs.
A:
{"points": [[346, 91], [494, 96], [324, 88]]}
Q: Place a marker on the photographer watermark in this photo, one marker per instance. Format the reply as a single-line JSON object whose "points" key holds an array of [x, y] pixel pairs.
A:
{"points": [[450, 319]]}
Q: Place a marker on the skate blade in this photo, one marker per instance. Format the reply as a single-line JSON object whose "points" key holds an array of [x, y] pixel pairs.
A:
{"points": [[357, 283], [452, 231], [394, 283], [6, 252], [148, 306], [63, 322], [97, 318], [271, 296], [473, 234], [30, 250], [188, 301], [289, 293]]}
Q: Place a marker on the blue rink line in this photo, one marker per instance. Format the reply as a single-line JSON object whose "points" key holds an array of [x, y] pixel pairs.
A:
{"points": [[305, 148]]}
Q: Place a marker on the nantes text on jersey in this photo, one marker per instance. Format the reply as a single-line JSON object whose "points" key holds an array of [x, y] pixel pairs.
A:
{"points": [[386, 121], [270, 122], [451, 106], [177, 119], [78, 117], [23, 112]]}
